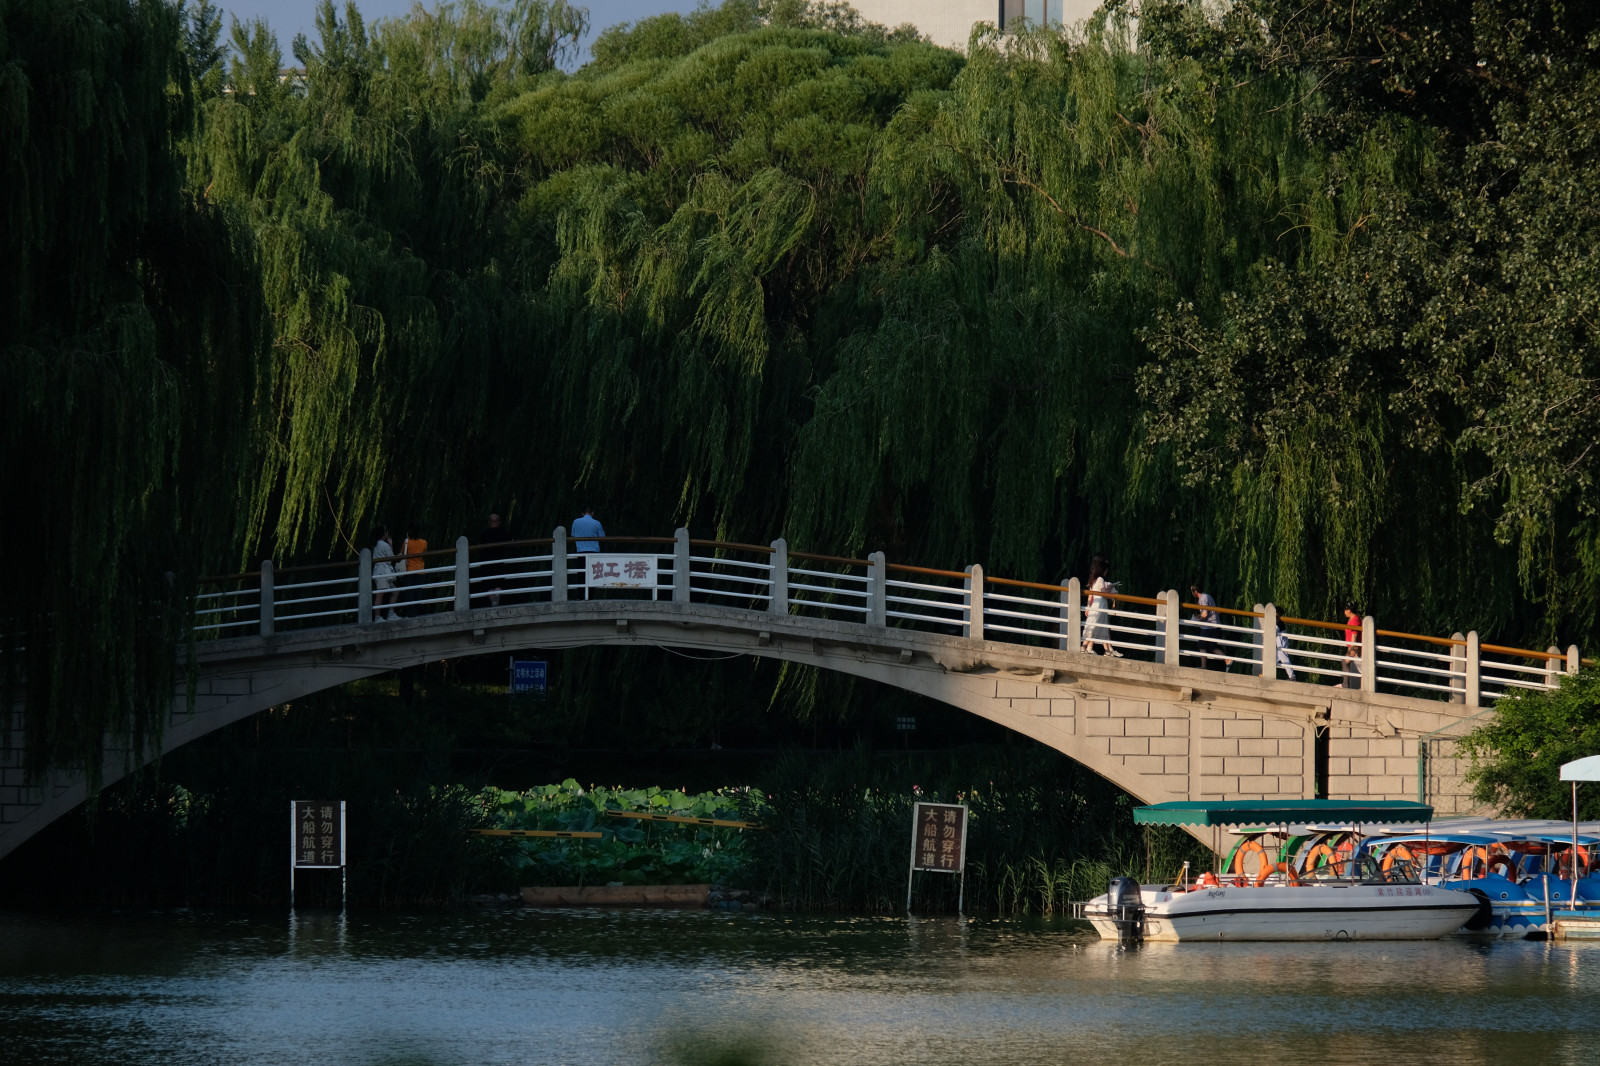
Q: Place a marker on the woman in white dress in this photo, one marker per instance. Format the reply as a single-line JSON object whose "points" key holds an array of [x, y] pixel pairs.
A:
{"points": [[1095, 629], [383, 590]]}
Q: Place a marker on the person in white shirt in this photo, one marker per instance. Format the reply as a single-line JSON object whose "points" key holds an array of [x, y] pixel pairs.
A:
{"points": [[383, 590], [1095, 622]]}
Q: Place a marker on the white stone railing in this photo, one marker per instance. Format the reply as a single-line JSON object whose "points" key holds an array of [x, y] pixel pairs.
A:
{"points": [[874, 592]]}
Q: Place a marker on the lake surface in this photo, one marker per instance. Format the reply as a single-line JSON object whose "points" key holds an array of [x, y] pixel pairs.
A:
{"points": [[583, 987]]}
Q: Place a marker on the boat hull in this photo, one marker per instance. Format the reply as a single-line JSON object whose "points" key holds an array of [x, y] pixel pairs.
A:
{"points": [[1299, 913]]}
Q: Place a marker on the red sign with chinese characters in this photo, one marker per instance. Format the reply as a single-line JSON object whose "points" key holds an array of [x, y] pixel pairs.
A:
{"points": [[940, 838], [620, 571], [318, 833]]}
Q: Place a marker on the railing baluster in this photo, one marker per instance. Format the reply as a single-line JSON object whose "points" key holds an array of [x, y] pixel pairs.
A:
{"points": [[463, 575], [1369, 655], [558, 565], [877, 590], [1458, 669], [268, 624], [1072, 616], [1267, 641], [364, 588], [974, 589], [779, 603], [1474, 671], [680, 566], [1172, 628]]}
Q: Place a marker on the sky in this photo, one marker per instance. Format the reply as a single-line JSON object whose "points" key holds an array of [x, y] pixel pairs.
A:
{"points": [[289, 17]]}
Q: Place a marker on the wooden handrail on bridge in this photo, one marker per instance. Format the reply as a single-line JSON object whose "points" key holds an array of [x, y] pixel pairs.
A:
{"points": [[730, 545], [838, 560], [1448, 642], [931, 571], [1221, 610]]}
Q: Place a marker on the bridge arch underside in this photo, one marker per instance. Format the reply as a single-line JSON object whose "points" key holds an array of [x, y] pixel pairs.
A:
{"points": [[1159, 732]]}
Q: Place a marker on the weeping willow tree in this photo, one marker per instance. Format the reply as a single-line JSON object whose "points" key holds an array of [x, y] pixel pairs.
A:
{"points": [[131, 345], [1295, 304]]}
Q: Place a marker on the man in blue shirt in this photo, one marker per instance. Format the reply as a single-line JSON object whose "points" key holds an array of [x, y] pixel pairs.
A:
{"points": [[588, 526]]}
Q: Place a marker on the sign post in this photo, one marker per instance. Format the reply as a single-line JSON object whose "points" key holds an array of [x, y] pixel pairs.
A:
{"points": [[316, 841], [939, 845]]}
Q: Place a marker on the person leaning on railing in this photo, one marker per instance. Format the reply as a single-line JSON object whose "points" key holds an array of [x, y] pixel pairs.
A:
{"points": [[383, 592], [584, 526]]}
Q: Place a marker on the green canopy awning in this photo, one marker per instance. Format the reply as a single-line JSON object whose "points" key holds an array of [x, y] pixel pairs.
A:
{"points": [[1282, 812]]}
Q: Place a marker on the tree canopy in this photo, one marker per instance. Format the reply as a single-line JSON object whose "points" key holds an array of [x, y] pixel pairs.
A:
{"points": [[1294, 300]]}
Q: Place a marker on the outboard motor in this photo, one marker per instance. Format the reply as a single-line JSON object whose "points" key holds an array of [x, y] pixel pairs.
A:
{"points": [[1127, 908]]}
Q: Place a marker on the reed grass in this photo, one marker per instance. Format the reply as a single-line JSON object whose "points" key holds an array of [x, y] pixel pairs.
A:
{"points": [[1043, 831]]}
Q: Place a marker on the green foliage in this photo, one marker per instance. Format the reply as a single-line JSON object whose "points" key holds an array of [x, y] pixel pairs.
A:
{"points": [[132, 343], [634, 852], [1042, 831], [1517, 755], [1294, 300]]}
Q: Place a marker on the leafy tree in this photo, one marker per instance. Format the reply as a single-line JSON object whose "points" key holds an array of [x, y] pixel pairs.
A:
{"points": [[202, 39], [1295, 298], [1517, 755], [132, 337]]}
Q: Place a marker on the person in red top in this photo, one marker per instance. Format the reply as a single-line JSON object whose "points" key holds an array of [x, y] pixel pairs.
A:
{"points": [[1352, 645]]}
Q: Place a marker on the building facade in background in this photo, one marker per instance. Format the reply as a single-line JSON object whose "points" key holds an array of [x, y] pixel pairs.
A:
{"points": [[949, 22]]}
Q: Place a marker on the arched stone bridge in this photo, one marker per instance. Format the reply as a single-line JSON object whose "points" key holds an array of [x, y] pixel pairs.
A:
{"points": [[1152, 719]]}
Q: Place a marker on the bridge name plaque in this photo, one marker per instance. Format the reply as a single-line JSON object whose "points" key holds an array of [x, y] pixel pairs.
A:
{"points": [[603, 571]]}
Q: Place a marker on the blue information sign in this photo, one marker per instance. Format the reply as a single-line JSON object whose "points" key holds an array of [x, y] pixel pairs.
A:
{"points": [[528, 675]]}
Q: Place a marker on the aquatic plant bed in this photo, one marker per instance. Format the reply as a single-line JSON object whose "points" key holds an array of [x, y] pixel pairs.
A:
{"points": [[616, 895]]}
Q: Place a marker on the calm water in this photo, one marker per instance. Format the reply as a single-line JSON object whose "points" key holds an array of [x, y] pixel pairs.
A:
{"points": [[583, 987]]}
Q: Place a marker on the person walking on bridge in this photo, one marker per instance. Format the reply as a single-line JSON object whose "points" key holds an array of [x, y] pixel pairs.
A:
{"points": [[1095, 626], [1352, 645], [1207, 616]]}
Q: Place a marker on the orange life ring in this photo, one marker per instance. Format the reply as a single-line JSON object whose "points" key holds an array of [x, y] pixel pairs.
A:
{"points": [[1395, 854], [1250, 847], [1474, 863], [1502, 860], [1562, 865], [1314, 859], [1273, 867]]}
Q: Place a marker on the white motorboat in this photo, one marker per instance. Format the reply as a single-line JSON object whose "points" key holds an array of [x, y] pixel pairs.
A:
{"points": [[1334, 903], [1281, 911]]}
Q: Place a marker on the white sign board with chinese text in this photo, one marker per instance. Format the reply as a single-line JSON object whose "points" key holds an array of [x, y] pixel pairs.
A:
{"points": [[603, 571], [939, 838]]}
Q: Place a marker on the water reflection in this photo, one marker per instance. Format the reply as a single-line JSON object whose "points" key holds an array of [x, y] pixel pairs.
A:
{"points": [[698, 989]]}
